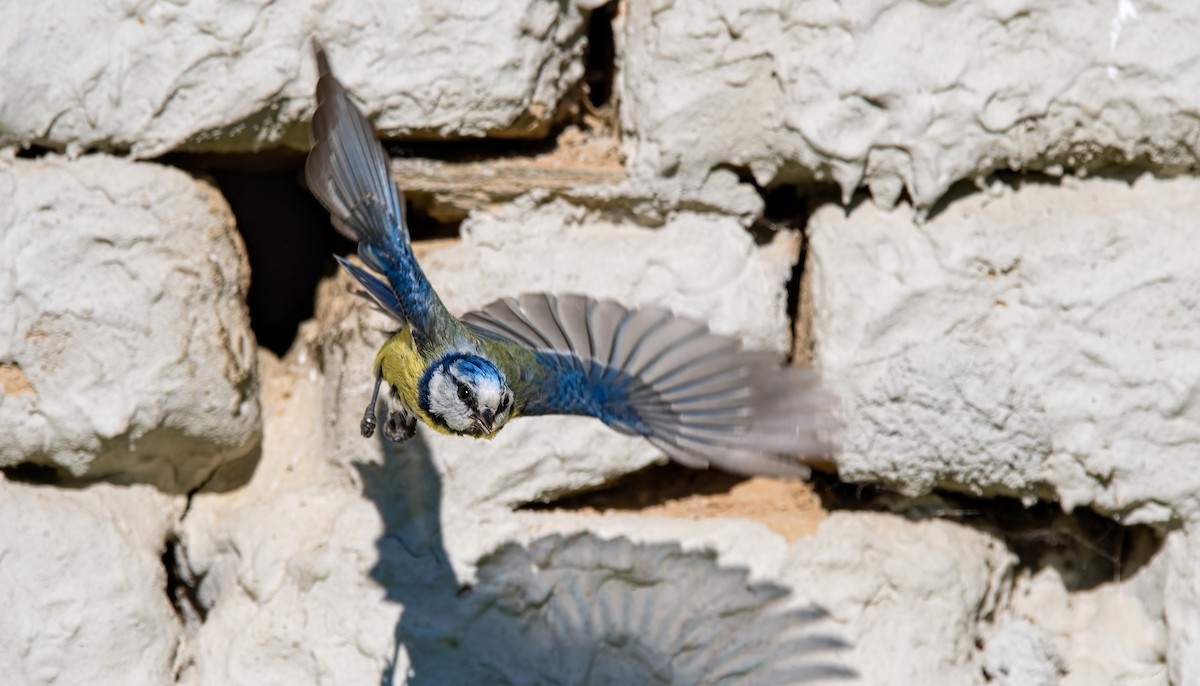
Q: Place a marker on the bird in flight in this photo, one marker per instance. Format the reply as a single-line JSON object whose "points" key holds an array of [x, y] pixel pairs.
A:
{"points": [[695, 395]]}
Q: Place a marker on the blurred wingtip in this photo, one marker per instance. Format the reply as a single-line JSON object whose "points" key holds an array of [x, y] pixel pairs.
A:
{"points": [[318, 50]]}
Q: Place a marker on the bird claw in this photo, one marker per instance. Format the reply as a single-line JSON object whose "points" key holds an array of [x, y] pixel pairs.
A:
{"points": [[399, 427], [368, 423]]}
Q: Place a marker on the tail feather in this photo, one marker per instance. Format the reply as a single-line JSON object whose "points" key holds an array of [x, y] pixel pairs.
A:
{"points": [[348, 170], [349, 173], [377, 291]]}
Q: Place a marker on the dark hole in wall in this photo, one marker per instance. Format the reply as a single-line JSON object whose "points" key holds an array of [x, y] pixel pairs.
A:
{"points": [[33, 152], [30, 473], [289, 242], [1086, 548], [289, 239], [788, 207], [600, 62]]}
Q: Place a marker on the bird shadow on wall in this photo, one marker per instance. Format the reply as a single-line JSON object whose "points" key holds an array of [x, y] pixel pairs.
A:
{"points": [[577, 609]]}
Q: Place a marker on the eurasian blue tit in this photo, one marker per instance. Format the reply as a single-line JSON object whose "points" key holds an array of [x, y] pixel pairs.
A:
{"points": [[695, 395]]}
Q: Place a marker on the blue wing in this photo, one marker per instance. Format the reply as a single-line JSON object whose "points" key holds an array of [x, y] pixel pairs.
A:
{"points": [[379, 292], [695, 395], [348, 171]]}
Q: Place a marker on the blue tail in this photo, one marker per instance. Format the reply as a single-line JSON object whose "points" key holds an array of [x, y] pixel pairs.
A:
{"points": [[348, 171]]}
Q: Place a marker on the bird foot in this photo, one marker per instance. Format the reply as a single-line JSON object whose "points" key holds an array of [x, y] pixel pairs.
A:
{"points": [[368, 423], [399, 427]]}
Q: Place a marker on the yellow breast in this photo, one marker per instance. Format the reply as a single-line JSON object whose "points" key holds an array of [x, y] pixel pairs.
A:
{"points": [[402, 366]]}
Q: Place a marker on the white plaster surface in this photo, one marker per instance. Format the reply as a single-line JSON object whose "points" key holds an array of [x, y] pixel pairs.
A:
{"points": [[1041, 343], [1181, 606], [1060, 632], [124, 339], [238, 76], [1022, 655], [283, 562], [701, 265], [909, 597], [82, 586], [905, 96]]}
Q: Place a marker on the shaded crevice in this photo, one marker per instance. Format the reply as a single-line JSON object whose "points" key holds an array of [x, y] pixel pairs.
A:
{"points": [[474, 150], [289, 239], [182, 589], [33, 152], [649, 487], [788, 207], [34, 474], [600, 61], [182, 586], [1087, 548], [786, 506], [785, 207]]}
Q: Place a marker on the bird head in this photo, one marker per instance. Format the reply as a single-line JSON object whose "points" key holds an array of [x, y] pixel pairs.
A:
{"points": [[467, 394]]}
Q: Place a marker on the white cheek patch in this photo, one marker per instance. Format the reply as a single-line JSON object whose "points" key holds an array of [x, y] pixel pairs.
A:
{"points": [[444, 402]]}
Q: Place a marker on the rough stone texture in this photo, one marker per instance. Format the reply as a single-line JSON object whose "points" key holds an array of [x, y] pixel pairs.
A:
{"points": [[449, 190], [1181, 606], [1059, 631], [126, 349], [909, 597], [237, 76], [901, 96], [282, 565], [1021, 655], [703, 266], [1039, 343], [83, 587]]}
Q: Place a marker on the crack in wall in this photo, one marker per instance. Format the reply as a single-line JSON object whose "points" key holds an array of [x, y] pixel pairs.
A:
{"points": [[183, 589], [600, 60], [33, 152], [1087, 548]]}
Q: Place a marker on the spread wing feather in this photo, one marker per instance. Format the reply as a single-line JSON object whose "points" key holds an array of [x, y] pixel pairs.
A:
{"points": [[695, 395]]}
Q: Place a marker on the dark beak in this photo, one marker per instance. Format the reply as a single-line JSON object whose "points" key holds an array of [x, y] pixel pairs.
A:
{"points": [[485, 420]]}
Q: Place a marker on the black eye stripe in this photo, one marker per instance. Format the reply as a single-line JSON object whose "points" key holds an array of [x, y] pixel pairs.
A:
{"points": [[469, 398]]}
